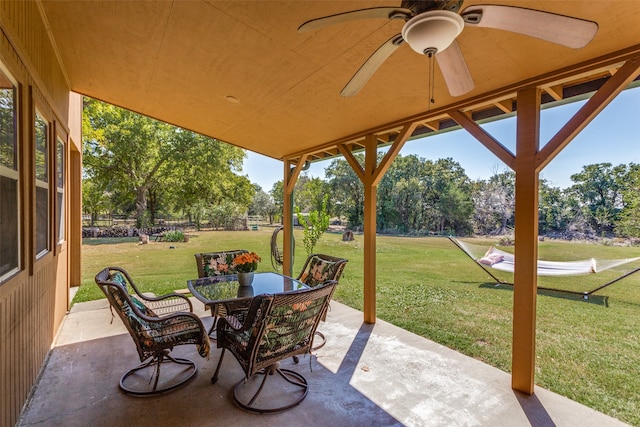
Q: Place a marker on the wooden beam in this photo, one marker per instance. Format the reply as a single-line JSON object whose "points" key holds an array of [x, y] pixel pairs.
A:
{"points": [[291, 178], [526, 245], [350, 158], [567, 74], [485, 139], [433, 125], [505, 106], [556, 91], [388, 158], [612, 87]]}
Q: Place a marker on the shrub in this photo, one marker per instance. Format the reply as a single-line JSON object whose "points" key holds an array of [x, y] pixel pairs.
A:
{"points": [[174, 236]]}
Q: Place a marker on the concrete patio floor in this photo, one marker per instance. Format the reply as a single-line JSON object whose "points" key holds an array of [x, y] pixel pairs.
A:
{"points": [[366, 375]]}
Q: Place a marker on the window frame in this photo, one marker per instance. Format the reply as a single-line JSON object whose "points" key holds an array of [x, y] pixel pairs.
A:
{"points": [[60, 231], [15, 174], [41, 184]]}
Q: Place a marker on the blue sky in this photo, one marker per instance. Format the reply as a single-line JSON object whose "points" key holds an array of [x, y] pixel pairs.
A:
{"points": [[613, 136]]}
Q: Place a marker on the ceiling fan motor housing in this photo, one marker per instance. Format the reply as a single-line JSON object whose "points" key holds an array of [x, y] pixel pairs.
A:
{"points": [[419, 6], [431, 30]]}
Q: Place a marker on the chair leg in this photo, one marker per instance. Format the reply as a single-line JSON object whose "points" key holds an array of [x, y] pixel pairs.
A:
{"points": [[132, 386], [214, 378], [319, 346], [291, 377], [212, 329]]}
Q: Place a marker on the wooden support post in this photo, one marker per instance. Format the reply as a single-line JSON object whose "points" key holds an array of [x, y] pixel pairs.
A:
{"points": [[291, 174], [287, 222], [526, 237], [370, 225], [370, 176]]}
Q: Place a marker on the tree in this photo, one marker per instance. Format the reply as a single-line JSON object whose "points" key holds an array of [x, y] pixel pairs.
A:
{"points": [[315, 224], [450, 190], [208, 170], [262, 204], [94, 199], [494, 204], [134, 155], [420, 196], [277, 195], [629, 218], [556, 210], [309, 194], [347, 191], [599, 189]]}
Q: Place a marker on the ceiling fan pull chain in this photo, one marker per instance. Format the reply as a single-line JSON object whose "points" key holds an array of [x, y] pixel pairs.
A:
{"points": [[430, 59]]}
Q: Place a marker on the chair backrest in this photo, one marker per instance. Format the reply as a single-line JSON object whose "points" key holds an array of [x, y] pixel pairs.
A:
{"points": [[217, 263], [319, 268], [284, 324], [133, 313]]}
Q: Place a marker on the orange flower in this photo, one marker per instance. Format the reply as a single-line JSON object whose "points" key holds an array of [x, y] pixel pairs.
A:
{"points": [[247, 262]]}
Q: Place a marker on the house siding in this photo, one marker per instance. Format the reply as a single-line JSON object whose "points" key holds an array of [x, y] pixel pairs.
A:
{"points": [[34, 301]]}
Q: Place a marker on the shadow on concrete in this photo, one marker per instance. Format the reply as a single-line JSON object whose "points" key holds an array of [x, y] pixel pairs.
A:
{"points": [[534, 410]]}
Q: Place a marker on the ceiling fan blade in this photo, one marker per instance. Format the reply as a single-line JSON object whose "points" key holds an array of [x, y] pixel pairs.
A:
{"points": [[370, 13], [362, 76], [560, 29], [454, 70]]}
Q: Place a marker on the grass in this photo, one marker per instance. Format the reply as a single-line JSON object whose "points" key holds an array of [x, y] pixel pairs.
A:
{"points": [[588, 351]]}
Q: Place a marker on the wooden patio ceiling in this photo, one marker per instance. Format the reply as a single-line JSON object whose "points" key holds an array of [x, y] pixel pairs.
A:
{"points": [[240, 72]]}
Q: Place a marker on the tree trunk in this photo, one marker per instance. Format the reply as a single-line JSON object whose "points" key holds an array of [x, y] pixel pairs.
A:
{"points": [[141, 207], [153, 204]]}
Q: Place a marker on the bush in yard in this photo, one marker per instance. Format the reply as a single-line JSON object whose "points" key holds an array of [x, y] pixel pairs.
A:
{"points": [[174, 236]]}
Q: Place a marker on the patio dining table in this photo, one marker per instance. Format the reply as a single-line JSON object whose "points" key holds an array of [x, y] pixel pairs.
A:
{"points": [[226, 291]]}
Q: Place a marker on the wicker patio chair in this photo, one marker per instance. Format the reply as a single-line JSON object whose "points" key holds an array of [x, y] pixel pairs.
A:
{"points": [[317, 269], [154, 337], [161, 305], [218, 264], [275, 327]]}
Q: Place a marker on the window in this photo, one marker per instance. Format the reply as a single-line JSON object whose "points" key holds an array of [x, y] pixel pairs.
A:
{"points": [[42, 185], [60, 164], [9, 179]]}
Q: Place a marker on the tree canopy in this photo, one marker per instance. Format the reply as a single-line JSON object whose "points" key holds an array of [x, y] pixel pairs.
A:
{"points": [[132, 159]]}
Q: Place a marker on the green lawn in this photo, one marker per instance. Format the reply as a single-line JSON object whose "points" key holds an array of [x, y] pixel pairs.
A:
{"points": [[588, 351]]}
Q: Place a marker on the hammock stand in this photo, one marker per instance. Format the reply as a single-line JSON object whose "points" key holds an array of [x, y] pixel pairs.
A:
{"points": [[276, 249], [550, 268]]}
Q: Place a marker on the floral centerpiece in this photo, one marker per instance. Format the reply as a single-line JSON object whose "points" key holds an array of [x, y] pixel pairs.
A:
{"points": [[246, 263]]}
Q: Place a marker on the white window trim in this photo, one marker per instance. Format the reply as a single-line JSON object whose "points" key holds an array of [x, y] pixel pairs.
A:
{"points": [[44, 184]]}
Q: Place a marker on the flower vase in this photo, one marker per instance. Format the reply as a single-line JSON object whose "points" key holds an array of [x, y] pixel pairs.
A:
{"points": [[245, 279]]}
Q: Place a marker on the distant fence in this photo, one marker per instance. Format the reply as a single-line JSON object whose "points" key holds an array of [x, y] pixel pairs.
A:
{"points": [[109, 226]]}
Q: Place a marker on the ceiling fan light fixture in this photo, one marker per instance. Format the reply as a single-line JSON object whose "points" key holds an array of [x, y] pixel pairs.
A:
{"points": [[435, 29]]}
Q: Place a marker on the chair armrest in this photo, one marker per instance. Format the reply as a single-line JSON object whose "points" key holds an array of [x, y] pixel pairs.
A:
{"points": [[178, 317], [169, 303], [161, 305], [181, 328]]}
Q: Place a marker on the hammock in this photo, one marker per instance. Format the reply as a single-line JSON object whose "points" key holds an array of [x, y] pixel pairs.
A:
{"points": [[505, 261]]}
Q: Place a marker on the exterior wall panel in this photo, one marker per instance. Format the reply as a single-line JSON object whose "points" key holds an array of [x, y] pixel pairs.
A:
{"points": [[35, 300]]}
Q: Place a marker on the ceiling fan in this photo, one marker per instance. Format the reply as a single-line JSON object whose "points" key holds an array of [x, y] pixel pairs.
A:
{"points": [[431, 28]]}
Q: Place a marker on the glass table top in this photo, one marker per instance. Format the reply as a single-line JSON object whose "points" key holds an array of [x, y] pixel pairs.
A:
{"points": [[226, 288]]}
